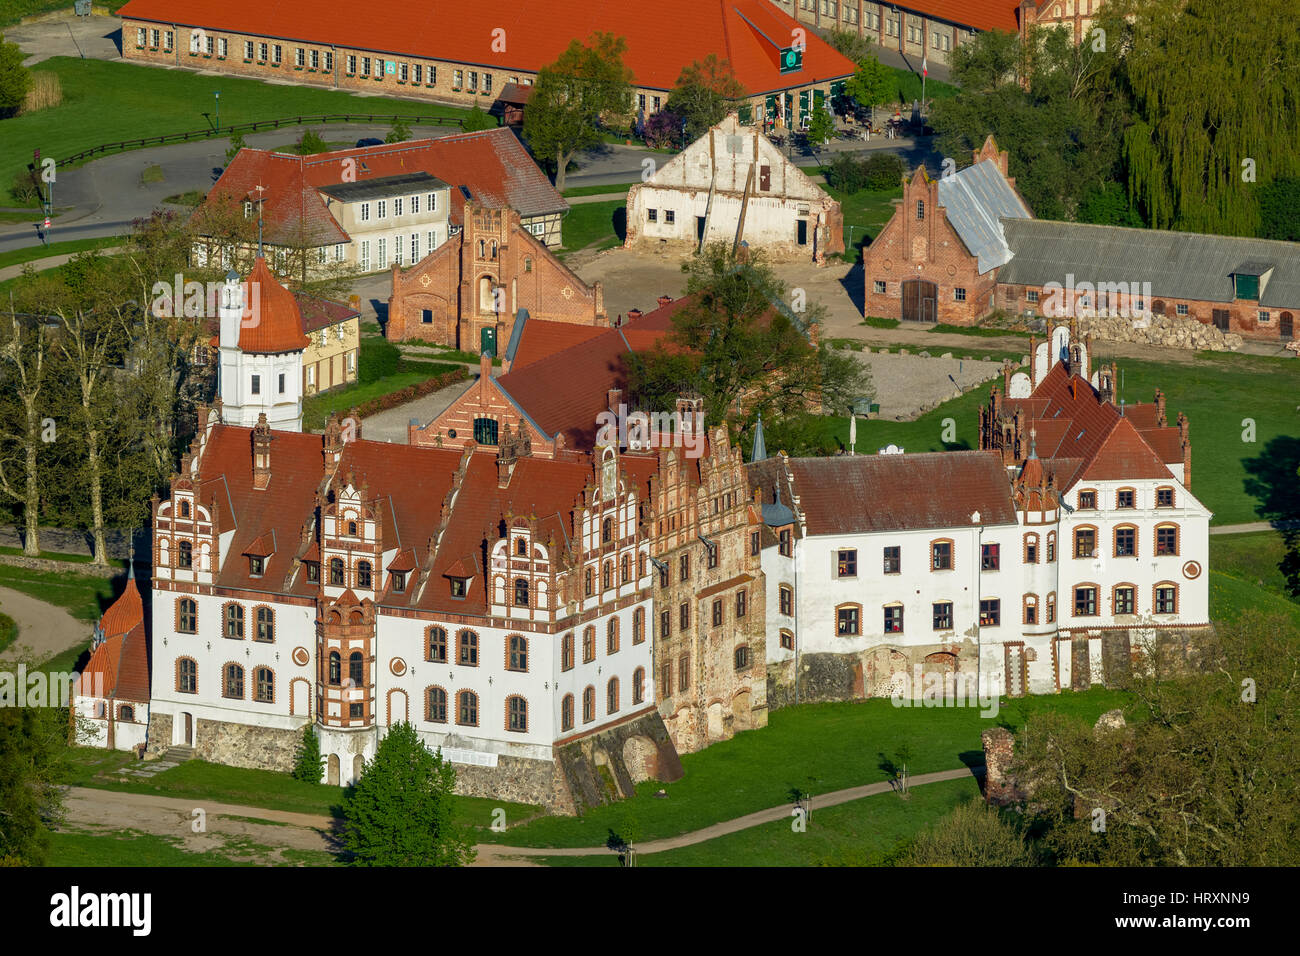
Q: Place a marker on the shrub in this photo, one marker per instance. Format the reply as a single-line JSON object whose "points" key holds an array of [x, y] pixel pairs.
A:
{"points": [[308, 762], [310, 144], [662, 130], [478, 120], [884, 170], [400, 132], [847, 174], [23, 189]]}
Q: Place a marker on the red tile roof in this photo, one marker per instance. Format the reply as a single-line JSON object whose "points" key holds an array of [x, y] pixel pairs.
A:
{"points": [[122, 664], [539, 338], [275, 324], [980, 14], [1124, 455], [318, 313], [124, 613], [748, 33], [854, 494]]}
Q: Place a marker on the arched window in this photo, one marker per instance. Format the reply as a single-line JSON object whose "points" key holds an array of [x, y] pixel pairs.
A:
{"points": [[625, 569], [611, 696], [187, 676], [638, 685], [589, 705], [187, 616], [607, 531], [235, 621], [521, 547], [1031, 548], [566, 712], [1051, 546], [517, 715], [588, 644], [611, 636], [607, 576], [1031, 609], [482, 248], [126, 712], [233, 684], [352, 529], [566, 652], [517, 649], [184, 554], [436, 705], [467, 648], [185, 509], [265, 681], [521, 592], [356, 668], [265, 624], [336, 668], [363, 574], [638, 625], [640, 565], [1051, 607], [467, 708], [436, 645], [588, 581], [336, 572]]}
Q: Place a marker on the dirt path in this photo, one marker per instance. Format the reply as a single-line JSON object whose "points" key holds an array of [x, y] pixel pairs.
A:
{"points": [[43, 629], [1254, 526]]}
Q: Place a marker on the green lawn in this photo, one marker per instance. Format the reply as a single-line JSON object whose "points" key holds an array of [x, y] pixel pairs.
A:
{"points": [[861, 833], [976, 330], [128, 848], [814, 747], [865, 214], [909, 87], [16, 257], [1230, 596], [84, 596], [107, 102], [596, 190], [1252, 558], [601, 223]]}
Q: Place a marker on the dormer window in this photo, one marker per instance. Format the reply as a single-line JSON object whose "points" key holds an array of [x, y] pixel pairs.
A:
{"points": [[255, 566], [459, 586], [313, 571], [399, 581]]}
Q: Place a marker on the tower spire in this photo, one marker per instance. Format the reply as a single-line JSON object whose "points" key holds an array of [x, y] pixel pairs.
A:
{"points": [[760, 447]]}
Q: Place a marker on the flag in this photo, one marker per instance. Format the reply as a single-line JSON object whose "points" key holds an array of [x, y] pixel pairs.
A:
{"points": [[925, 65]]}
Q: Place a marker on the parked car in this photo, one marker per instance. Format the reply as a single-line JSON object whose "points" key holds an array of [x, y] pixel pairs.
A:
{"points": [[369, 141]]}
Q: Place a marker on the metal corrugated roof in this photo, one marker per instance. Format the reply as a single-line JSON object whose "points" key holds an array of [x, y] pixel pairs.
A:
{"points": [[975, 200], [1179, 265]]}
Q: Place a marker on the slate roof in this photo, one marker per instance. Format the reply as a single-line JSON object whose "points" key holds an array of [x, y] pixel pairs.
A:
{"points": [[856, 494], [977, 200], [660, 43], [1179, 265]]}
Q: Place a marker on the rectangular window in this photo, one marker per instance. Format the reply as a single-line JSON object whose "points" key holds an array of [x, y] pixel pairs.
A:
{"points": [[1124, 498], [276, 54], [402, 74], [248, 49], [684, 616], [683, 673], [1164, 497], [846, 563], [365, 66], [959, 294], [755, 542], [1125, 542], [847, 622], [415, 248], [941, 556], [784, 545], [1031, 550], [487, 83], [1166, 541], [415, 205], [1181, 308], [684, 567], [1124, 600], [352, 64], [894, 619], [365, 255], [1087, 499], [224, 48], [942, 616], [990, 557], [990, 612], [338, 252], [473, 81], [281, 383], [140, 36], [433, 76], [365, 212], [1167, 600], [786, 598], [1032, 296], [167, 40], [208, 46], [665, 623], [717, 613], [457, 80], [315, 59], [920, 210], [1085, 543], [417, 74], [893, 559], [711, 556], [879, 286], [256, 387], [669, 216], [741, 602], [397, 250], [261, 52], [329, 61], [299, 57], [382, 261], [1085, 602], [397, 207], [381, 209], [433, 202], [652, 215], [431, 239]]}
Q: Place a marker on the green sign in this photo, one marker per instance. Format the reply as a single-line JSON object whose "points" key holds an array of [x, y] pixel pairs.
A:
{"points": [[791, 59], [488, 341]]}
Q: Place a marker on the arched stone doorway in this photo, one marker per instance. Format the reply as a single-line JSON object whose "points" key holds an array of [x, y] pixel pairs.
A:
{"points": [[332, 770]]}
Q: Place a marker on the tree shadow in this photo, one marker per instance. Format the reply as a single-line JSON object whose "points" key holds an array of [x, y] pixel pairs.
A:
{"points": [[1271, 478]]}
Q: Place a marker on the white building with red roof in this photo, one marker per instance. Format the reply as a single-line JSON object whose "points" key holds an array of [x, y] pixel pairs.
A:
{"points": [[111, 709], [1052, 557]]}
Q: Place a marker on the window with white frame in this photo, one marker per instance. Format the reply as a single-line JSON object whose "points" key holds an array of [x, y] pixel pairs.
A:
{"points": [[329, 61], [397, 206], [381, 211], [299, 57], [382, 260], [365, 255], [248, 49], [415, 205], [223, 48], [433, 202], [415, 248], [365, 212], [397, 250], [315, 59]]}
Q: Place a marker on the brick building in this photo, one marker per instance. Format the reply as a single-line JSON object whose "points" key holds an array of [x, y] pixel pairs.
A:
{"points": [[916, 28], [733, 185], [961, 247], [468, 292], [1075, 15], [468, 57]]}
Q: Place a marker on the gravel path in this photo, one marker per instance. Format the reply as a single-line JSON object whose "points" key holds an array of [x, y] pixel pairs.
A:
{"points": [[43, 629], [905, 386]]}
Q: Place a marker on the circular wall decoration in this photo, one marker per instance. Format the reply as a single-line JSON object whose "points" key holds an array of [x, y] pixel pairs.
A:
{"points": [[887, 264], [397, 666], [300, 656], [952, 270], [1192, 570]]}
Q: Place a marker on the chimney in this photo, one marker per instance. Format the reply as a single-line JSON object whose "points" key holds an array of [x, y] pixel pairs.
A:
{"points": [[261, 453], [665, 300], [1161, 420], [633, 314], [614, 398], [354, 418], [1087, 356], [1184, 432]]}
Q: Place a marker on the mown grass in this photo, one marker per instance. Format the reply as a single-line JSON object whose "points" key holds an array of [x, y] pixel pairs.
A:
{"points": [[816, 748], [865, 832], [601, 225], [1254, 558], [84, 596], [596, 190], [865, 214], [16, 257], [381, 370], [108, 102]]}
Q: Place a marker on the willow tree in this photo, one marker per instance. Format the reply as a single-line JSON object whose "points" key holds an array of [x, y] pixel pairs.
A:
{"points": [[1216, 103]]}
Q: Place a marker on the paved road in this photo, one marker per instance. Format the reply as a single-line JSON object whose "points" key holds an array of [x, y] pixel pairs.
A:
{"points": [[43, 629]]}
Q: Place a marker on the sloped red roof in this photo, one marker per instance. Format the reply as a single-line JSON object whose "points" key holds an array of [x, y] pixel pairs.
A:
{"points": [[124, 613], [122, 664], [318, 313], [1124, 455], [292, 209], [850, 494], [275, 324], [540, 338], [748, 33]]}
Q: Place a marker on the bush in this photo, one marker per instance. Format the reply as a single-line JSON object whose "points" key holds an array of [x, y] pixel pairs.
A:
{"points": [[478, 120], [236, 144], [308, 762], [974, 834], [310, 144], [879, 171], [884, 170], [400, 132], [662, 130], [23, 189]]}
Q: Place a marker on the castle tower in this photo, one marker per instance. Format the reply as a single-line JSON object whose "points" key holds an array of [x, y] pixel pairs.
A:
{"points": [[262, 345]]}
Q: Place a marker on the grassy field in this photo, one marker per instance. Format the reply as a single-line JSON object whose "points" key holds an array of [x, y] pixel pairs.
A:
{"points": [[107, 102], [84, 596], [8, 631], [596, 190], [1253, 558], [16, 257], [862, 833], [129, 848], [601, 225], [816, 748], [909, 87], [865, 214]]}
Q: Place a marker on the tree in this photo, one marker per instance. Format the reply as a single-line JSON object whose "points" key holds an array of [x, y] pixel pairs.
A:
{"points": [[23, 351], [401, 131], [310, 143], [706, 91], [663, 130], [821, 127], [33, 743], [479, 119], [308, 762], [738, 343], [400, 812], [973, 834], [1205, 775], [236, 144], [849, 43], [572, 95], [1279, 210], [871, 84], [15, 80]]}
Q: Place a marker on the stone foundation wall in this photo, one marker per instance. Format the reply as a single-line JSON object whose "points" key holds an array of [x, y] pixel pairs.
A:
{"points": [[869, 673], [160, 733], [243, 745], [513, 780], [596, 769]]}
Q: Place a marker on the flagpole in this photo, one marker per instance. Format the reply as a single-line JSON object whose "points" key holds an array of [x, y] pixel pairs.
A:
{"points": [[925, 71]]}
